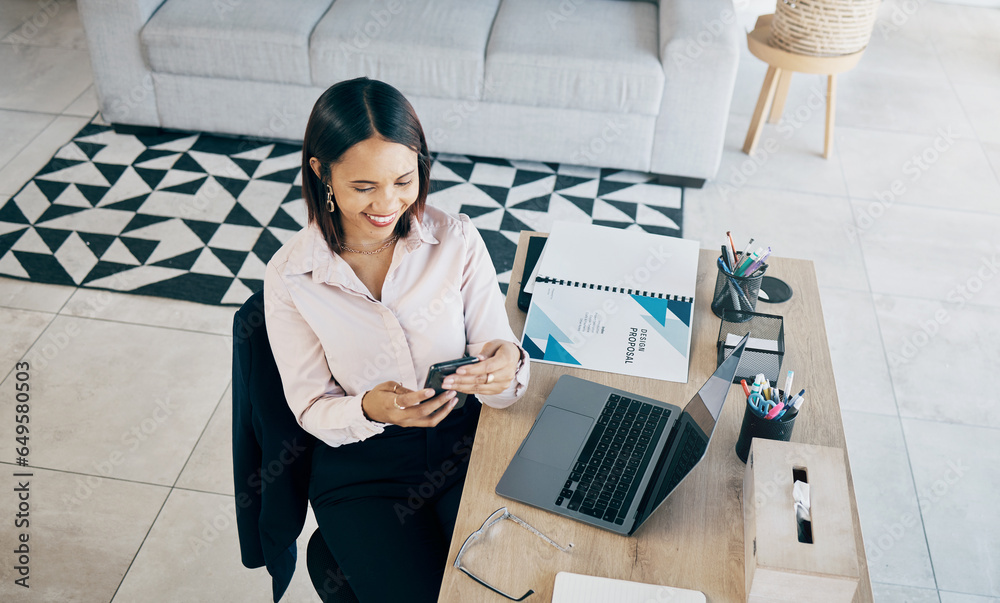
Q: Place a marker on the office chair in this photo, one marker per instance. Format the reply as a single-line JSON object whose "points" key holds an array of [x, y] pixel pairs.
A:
{"points": [[269, 521]]}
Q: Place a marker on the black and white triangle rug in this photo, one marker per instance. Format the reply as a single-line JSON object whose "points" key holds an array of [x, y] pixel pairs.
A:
{"points": [[196, 217]]}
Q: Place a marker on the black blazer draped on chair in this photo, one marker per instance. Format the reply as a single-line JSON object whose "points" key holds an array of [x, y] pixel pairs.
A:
{"points": [[272, 454]]}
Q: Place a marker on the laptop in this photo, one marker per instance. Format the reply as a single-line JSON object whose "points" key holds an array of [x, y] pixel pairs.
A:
{"points": [[577, 588], [608, 457]]}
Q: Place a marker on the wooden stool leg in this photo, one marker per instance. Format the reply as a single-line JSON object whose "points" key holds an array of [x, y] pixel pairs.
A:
{"points": [[831, 108], [763, 104], [779, 96]]}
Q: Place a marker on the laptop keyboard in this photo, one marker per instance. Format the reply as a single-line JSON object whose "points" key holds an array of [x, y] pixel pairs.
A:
{"points": [[607, 473]]}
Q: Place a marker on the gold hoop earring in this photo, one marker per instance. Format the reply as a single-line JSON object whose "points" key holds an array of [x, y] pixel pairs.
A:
{"points": [[330, 207]]}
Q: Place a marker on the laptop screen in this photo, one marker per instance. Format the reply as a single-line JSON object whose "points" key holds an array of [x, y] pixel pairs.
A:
{"points": [[685, 447], [690, 437]]}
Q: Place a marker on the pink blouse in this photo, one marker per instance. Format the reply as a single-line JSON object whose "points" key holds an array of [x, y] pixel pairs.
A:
{"points": [[333, 341]]}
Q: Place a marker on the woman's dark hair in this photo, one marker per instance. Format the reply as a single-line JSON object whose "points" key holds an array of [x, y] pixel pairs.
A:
{"points": [[350, 112]]}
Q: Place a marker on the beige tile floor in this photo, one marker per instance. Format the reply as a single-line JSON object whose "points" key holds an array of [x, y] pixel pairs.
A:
{"points": [[131, 495]]}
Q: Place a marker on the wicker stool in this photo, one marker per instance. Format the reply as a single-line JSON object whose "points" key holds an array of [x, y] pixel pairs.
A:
{"points": [[781, 64]]}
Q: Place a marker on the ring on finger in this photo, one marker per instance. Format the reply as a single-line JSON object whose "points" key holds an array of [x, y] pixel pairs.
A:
{"points": [[396, 404]]}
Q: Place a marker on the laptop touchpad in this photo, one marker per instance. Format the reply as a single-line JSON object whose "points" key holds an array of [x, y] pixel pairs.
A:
{"points": [[556, 437]]}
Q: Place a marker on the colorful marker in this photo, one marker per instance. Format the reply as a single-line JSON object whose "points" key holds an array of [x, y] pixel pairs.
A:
{"points": [[746, 250], [757, 263], [788, 383]]}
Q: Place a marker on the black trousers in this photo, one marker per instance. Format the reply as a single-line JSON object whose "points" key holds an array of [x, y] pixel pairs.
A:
{"points": [[386, 506]]}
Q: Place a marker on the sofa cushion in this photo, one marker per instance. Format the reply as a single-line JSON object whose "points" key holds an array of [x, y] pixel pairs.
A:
{"points": [[422, 47], [598, 55], [258, 40]]}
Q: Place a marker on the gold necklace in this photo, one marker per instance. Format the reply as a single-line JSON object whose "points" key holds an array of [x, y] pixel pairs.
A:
{"points": [[384, 246], [377, 243]]}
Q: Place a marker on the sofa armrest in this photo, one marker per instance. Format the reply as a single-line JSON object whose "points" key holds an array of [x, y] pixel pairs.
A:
{"points": [[122, 79], [699, 49]]}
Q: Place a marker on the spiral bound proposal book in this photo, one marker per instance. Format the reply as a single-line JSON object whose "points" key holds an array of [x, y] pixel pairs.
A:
{"points": [[613, 300]]}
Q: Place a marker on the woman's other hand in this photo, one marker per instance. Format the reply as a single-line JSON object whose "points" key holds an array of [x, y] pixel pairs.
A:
{"points": [[390, 402], [492, 374]]}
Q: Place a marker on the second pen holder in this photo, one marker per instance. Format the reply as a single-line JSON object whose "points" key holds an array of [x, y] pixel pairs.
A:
{"points": [[756, 426], [736, 293]]}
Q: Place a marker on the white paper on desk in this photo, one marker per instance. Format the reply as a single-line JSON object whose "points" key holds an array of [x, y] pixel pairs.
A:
{"points": [[577, 588], [615, 257], [768, 364], [769, 345]]}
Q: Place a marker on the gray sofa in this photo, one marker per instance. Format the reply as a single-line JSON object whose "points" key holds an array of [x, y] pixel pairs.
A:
{"points": [[612, 83]]}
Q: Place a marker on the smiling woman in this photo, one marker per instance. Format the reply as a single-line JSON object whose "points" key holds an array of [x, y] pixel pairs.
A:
{"points": [[369, 195], [363, 137], [359, 304]]}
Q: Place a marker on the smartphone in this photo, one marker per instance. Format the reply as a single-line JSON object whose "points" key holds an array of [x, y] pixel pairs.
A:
{"points": [[437, 373]]}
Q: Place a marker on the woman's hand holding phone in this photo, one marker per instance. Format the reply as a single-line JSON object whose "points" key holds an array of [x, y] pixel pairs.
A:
{"points": [[390, 402], [491, 375]]}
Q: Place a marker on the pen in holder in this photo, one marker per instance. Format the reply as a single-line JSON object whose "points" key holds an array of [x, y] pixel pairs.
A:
{"points": [[756, 426], [737, 293]]}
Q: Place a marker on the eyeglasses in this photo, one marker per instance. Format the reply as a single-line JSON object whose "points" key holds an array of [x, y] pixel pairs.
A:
{"points": [[498, 516]]}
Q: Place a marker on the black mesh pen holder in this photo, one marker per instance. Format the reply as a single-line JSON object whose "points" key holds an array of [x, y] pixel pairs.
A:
{"points": [[764, 350], [736, 292], [755, 426]]}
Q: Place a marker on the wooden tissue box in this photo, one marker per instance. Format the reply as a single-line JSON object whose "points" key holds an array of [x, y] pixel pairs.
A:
{"points": [[781, 564]]}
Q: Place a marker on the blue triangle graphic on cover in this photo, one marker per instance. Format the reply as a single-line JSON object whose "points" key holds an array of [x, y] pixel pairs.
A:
{"points": [[541, 327], [681, 310], [675, 334], [555, 352], [532, 349], [658, 309]]}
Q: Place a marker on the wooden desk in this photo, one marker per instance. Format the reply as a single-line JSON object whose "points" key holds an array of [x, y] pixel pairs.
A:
{"points": [[695, 540]]}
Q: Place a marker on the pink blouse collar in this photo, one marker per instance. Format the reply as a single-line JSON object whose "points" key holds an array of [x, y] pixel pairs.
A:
{"points": [[311, 254]]}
